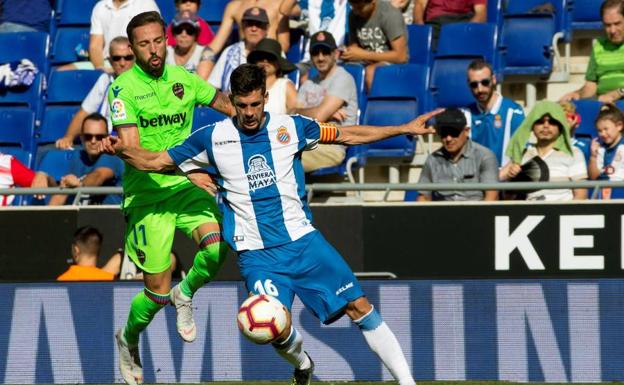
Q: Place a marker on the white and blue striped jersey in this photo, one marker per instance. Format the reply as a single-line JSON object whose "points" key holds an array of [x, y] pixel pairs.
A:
{"points": [[260, 175]]}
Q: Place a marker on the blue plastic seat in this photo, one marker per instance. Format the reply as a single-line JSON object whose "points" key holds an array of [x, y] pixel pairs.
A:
{"points": [[65, 42], [70, 87], [56, 163], [54, 124], [470, 40], [33, 46], [495, 12], [586, 15], [588, 109], [562, 16], [449, 85], [402, 81], [167, 10], [75, 12], [29, 96], [203, 116], [357, 71], [419, 38], [527, 43], [17, 127], [18, 153], [212, 11]]}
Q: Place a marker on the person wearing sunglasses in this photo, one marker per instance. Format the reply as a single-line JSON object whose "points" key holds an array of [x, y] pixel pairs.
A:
{"points": [[329, 96], [205, 33], [121, 59], [459, 160], [544, 138], [492, 118], [186, 52], [88, 167]]}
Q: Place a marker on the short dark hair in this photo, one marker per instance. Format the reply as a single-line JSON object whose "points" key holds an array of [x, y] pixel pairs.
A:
{"points": [[479, 64], [88, 239], [608, 4], [246, 79], [143, 19], [95, 116], [197, 1]]}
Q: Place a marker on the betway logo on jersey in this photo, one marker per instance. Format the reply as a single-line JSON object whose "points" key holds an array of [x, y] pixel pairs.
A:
{"points": [[163, 120], [259, 174]]}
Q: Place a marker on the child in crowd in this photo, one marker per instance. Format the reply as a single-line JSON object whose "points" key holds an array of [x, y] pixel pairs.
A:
{"points": [[607, 151]]}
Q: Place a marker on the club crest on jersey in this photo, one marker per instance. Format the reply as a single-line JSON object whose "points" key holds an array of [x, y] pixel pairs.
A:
{"points": [[118, 109], [498, 121], [282, 135], [178, 90], [259, 174]]}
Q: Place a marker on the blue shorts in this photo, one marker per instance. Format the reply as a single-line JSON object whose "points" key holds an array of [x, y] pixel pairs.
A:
{"points": [[308, 267]]}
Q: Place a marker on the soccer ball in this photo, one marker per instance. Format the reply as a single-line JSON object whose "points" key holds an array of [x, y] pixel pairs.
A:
{"points": [[262, 318]]}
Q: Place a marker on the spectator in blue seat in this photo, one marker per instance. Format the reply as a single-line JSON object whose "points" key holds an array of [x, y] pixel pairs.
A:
{"points": [[330, 96], [439, 12], [109, 19], [377, 36], [604, 77], [25, 15], [90, 168], [543, 140], [492, 118], [122, 59], [607, 151], [255, 28], [460, 160]]}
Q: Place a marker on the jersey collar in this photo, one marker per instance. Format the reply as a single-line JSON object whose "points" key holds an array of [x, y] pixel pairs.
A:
{"points": [[495, 108], [147, 78]]}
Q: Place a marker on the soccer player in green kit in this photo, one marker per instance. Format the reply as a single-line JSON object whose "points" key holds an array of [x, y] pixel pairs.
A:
{"points": [[152, 107]]}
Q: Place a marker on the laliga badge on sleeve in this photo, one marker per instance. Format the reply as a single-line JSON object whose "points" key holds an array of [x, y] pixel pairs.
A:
{"points": [[118, 109]]}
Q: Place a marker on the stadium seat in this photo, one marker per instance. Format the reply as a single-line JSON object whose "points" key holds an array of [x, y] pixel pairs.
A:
{"points": [[24, 96], [588, 109], [20, 154], [75, 12], [357, 71], [495, 13], [70, 87], [296, 52], [419, 39], [56, 163], [65, 42], [449, 85], [470, 40], [33, 46], [586, 15], [17, 127], [167, 10], [212, 11], [527, 44], [55, 122], [402, 81], [203, 116], [562, 16]]}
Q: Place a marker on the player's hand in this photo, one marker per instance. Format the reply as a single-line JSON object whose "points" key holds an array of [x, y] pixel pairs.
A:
{"points": [[203, 180], [419, 125], [64, 143], [111, 145]]}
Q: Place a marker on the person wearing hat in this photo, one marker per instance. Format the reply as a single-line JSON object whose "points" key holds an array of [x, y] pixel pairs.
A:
{"points": [[329, 96], [460, 160], [255, 26], [282, 93], [186, 52], [205, 35], [544, 138]]}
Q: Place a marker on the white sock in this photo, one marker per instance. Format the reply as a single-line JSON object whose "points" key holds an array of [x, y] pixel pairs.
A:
{"points": [[292, 350], [383, 342]]}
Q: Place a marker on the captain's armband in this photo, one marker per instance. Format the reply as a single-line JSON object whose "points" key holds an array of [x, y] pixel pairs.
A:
{"points": [[329, 132]]}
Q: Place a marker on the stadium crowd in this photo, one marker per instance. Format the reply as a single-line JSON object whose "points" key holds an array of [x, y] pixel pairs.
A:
{"points": [[321, 58]]}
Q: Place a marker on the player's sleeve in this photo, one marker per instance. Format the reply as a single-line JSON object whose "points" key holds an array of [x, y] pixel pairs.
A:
{"points": [[122, 106], [192, 154], [314, 132], [22, 175], [204, 91]]}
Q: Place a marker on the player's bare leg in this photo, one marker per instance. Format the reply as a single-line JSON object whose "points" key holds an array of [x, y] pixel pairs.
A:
{"points": [[207, 262], [290, 346], [380, 339]]}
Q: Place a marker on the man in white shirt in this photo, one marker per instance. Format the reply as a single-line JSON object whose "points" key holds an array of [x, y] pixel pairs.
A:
{"points": [[255, 28], [109, 20], [122, 59]]}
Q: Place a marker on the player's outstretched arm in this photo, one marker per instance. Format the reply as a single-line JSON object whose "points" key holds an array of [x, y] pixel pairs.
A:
{"points": [[138, 157], [367, 134]]}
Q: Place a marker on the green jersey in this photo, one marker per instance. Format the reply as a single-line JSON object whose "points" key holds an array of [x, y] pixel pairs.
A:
{"points": [[162, 110]]}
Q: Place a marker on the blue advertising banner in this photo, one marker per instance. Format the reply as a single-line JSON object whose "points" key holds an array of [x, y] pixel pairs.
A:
{"points": [[517, 330]]}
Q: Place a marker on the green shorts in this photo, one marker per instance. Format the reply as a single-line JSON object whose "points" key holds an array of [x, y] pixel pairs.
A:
{"points": [[150, 228]]}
